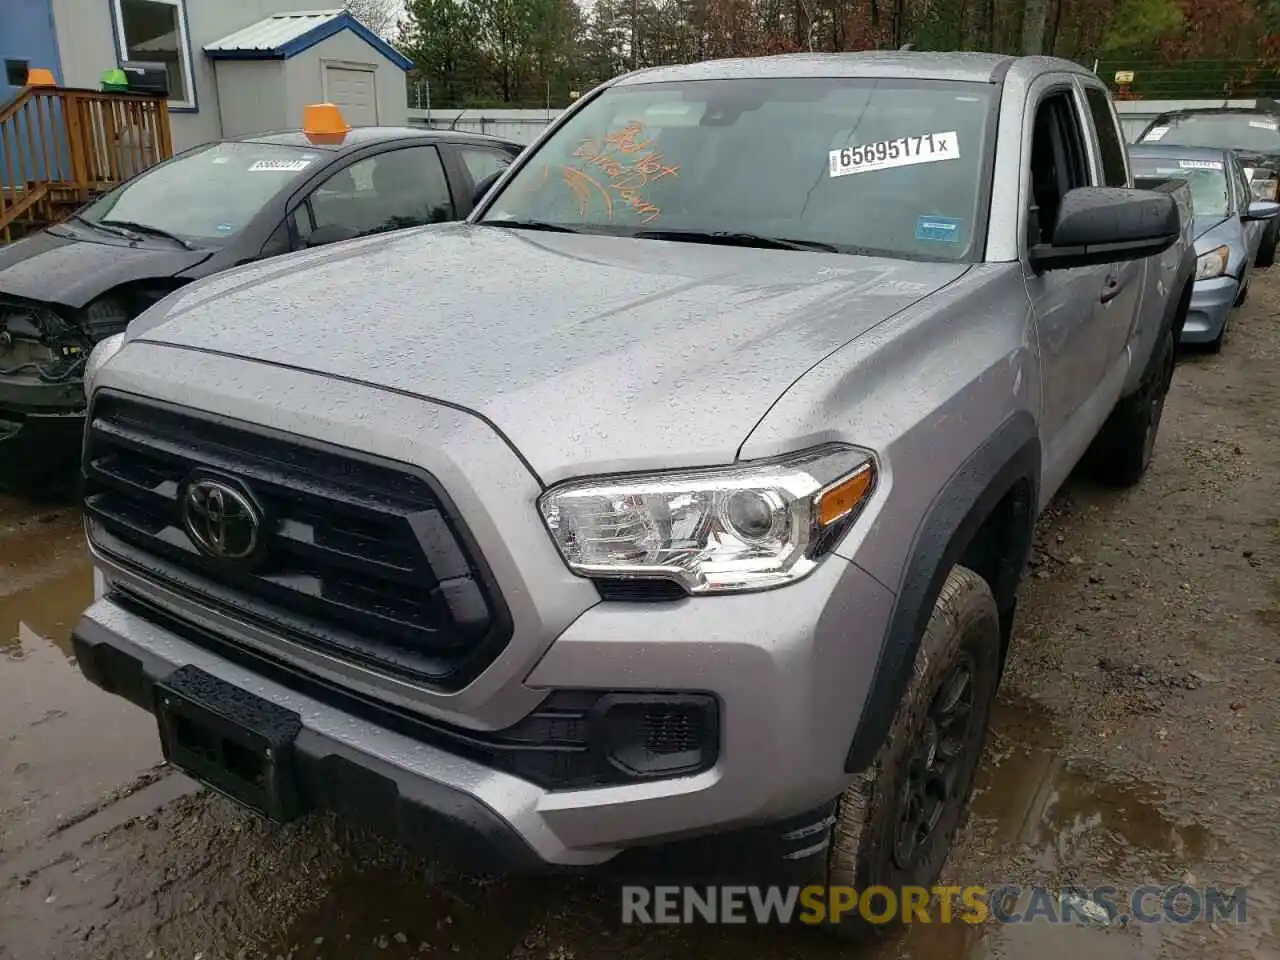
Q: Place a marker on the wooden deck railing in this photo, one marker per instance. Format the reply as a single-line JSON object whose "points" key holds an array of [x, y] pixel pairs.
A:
{"points": [[60, 147]]}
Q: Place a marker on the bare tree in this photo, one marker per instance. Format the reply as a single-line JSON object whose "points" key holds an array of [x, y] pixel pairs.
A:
{"points": [[380, 16]]}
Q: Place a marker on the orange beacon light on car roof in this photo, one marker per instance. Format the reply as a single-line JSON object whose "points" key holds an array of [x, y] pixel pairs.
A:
{"points": [[323, 123]]}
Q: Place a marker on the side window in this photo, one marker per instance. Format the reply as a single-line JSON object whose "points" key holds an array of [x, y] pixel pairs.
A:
{"points": [[399, 188], [1112, 150], [481, 162], [1058, 162]]}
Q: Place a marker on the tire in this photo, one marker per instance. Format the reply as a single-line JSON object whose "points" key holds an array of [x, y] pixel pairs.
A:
{"points": [[1267, 249], [1123, 449], [958, 665]]}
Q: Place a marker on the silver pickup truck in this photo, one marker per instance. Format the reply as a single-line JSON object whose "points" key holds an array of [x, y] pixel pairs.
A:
{"points": [[669, 513]]}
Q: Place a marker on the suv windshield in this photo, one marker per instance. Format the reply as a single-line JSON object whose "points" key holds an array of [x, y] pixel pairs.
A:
{"points": [[1253, 132], [207, 195], [1208, 180], [888, 167]]}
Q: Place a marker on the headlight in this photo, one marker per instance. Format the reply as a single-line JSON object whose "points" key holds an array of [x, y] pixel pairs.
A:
{"points": [[101, 353], [744, 527], [1211, 264]]}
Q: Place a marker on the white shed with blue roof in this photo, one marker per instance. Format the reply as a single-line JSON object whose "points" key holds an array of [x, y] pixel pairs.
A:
{"points": [[269, 71]]}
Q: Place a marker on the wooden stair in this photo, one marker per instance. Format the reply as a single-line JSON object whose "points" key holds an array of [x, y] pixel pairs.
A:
{"points": [[60, 147]]}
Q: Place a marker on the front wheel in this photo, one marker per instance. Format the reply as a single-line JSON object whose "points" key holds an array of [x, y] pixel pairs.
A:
{"points": [[1123, 449], [895, 825]]}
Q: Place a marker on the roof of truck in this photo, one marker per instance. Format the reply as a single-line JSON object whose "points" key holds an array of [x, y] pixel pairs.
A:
{"points": [[916, 65]]}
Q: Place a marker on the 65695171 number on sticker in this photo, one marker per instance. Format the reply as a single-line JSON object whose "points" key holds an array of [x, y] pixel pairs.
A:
{"points": [[898, 152]]}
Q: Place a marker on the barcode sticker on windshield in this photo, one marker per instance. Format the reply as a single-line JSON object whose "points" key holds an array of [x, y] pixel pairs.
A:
{"points": [[1200, 164], [1155, 133], [278, 166], [898, 152], [1264, 124]]}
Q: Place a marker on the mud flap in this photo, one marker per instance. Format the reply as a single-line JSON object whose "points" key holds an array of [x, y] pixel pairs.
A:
{"points": [[231, 740]]}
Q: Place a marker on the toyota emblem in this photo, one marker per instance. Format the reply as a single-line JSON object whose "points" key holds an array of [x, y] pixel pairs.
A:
{"points": [[221, 520]]}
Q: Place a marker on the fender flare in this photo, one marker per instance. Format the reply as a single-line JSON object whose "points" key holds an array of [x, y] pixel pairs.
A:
{"points": [[1010, 456]]}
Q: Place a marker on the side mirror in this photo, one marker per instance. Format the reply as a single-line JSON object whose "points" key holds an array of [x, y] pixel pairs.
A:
{"points": [[331, 234], [484, 185], [1262, 210], [1099, 225]]}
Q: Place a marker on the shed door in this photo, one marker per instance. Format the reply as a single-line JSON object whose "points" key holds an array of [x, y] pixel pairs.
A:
{"points": [[353, 90]]}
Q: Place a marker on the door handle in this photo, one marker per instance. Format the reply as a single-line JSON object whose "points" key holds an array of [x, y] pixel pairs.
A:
{"points": [[1111, 288]]}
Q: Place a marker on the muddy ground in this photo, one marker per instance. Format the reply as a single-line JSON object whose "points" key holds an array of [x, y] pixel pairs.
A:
{"points": [[1137, 740]]}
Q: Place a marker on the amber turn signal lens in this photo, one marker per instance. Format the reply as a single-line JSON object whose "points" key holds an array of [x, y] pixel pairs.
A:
{"points": [[838, 501]]}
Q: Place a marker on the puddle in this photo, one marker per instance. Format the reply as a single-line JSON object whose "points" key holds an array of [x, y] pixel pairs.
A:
{"points": [[63, 743], [1064, 815]]}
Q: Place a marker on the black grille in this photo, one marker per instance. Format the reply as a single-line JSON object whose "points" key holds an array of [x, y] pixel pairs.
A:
{"points": [[359, 558]]}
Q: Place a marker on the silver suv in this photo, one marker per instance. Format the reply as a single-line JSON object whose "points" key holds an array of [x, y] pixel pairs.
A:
{"points": [[669, 510]]}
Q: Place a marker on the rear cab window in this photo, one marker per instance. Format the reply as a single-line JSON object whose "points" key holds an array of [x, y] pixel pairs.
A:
{"points": [[892, 167]]}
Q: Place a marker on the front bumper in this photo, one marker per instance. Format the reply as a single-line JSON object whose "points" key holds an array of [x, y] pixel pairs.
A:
{"points": [[789, 669], [758, 813], [1211, 302], [41, 428]]}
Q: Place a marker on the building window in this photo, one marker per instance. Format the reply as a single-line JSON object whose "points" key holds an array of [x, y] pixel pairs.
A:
{"points": [[155, 31], [15, 73]]}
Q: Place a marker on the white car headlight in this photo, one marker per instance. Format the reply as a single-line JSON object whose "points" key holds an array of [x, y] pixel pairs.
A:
{"points": [[103, 351], [745, 527], [1212, 264]]}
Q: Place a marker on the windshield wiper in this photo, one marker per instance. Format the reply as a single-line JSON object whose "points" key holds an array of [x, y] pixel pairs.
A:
{"points": [[105, 228], [147, 228], [730, 239], [533, 225]]}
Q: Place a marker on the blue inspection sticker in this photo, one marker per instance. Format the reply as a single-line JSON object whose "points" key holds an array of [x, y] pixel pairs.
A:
{"points": [[225, 227], [939, 229]]}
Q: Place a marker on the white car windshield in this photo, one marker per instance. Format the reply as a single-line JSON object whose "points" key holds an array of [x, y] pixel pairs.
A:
{"points": [[888, 167], [1207, 178]]}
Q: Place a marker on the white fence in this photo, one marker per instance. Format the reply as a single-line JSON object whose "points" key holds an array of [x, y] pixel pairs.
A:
{"points": [[522, 126]]}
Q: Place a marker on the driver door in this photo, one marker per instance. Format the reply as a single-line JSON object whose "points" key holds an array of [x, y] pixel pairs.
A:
{"points": [[1072, 329]]}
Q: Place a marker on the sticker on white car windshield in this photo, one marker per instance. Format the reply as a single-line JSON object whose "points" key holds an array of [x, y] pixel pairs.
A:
{"points": [[1200, 164], [898, 152], [1264, 124], [1155, 133], [278, 166]]}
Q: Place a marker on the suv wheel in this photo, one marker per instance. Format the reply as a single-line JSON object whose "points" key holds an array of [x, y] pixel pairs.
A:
{"points": [[895, 825], [1122, 451]]}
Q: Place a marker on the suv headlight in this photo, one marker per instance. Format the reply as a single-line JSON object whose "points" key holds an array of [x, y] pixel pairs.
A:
{"points": [[1211, 264], [745, 527]]}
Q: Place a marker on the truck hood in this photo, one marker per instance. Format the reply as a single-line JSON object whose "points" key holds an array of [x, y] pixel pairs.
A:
{"points": [[589, 353], [68, 268]]}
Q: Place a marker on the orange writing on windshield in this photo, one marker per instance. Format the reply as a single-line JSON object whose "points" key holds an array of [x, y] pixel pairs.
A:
{"points": [[628, 167]]}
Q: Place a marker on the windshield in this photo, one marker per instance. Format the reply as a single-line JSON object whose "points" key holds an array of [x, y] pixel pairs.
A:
{"points": [[1256, 132], [208, 195], [1208, 180], [890, 167]]}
